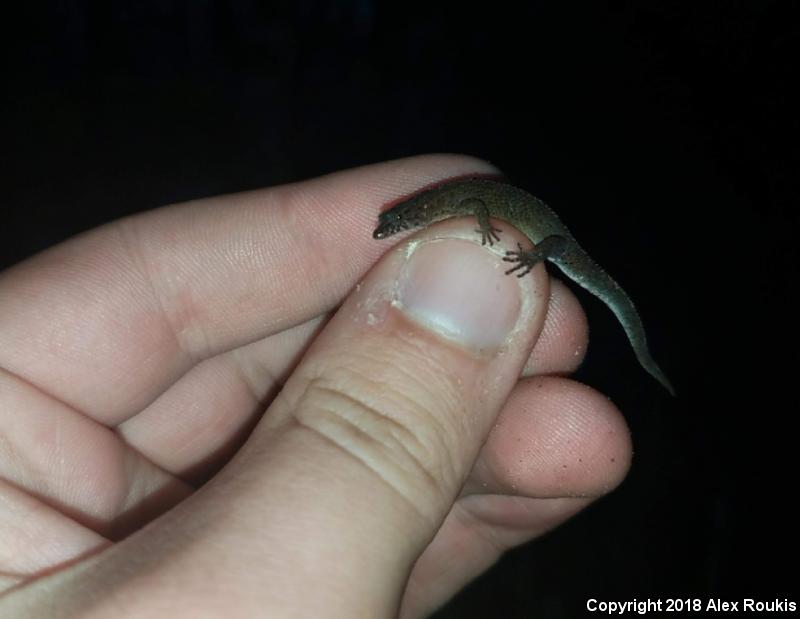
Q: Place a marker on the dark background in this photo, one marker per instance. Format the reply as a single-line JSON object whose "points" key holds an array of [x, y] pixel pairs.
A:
{"points": [[664, 133]]}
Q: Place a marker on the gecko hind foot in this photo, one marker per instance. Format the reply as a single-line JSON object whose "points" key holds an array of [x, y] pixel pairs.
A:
{"points": [[549, 248], [525, 259]]}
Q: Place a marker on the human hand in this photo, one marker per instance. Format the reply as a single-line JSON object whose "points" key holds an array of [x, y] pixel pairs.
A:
{"points": [[399, 455]]}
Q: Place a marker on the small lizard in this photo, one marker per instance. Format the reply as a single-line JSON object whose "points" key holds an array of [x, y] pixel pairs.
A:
{"points": [[484, 199]]}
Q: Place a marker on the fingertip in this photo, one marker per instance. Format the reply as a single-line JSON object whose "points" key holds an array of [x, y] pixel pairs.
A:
{"points": [[562, 344], [557, 438]]}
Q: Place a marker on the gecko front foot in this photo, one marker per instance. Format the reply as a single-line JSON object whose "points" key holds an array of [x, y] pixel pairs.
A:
{"points": [[490, 234]]}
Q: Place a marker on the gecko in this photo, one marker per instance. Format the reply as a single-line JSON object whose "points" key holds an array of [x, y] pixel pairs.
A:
{"points": [[485, 199]]}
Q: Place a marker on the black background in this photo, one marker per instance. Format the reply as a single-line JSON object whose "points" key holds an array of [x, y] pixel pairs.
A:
{"points": [[664, 133]]}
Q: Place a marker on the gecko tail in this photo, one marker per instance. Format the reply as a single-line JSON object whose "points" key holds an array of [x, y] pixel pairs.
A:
{"points": [[579, 266], [649, 364]]}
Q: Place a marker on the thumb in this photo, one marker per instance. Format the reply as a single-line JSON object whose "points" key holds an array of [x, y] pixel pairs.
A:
{"points": [[361, 457]]}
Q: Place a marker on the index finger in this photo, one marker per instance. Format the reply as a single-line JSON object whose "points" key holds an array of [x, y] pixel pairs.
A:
{"points": [[107, 320]]}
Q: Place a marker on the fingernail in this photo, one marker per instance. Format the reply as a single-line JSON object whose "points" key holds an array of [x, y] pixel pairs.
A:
{"points": [[459, 289]]}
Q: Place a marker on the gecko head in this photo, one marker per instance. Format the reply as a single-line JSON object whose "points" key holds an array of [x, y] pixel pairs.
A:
{"points": [[405, 216]]}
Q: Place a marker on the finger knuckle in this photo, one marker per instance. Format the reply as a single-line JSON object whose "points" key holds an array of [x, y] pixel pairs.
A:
{"points": [[393, 432]]}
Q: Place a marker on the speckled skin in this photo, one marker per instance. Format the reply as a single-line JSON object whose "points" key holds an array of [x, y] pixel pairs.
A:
{"points": [[537, 221]]}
